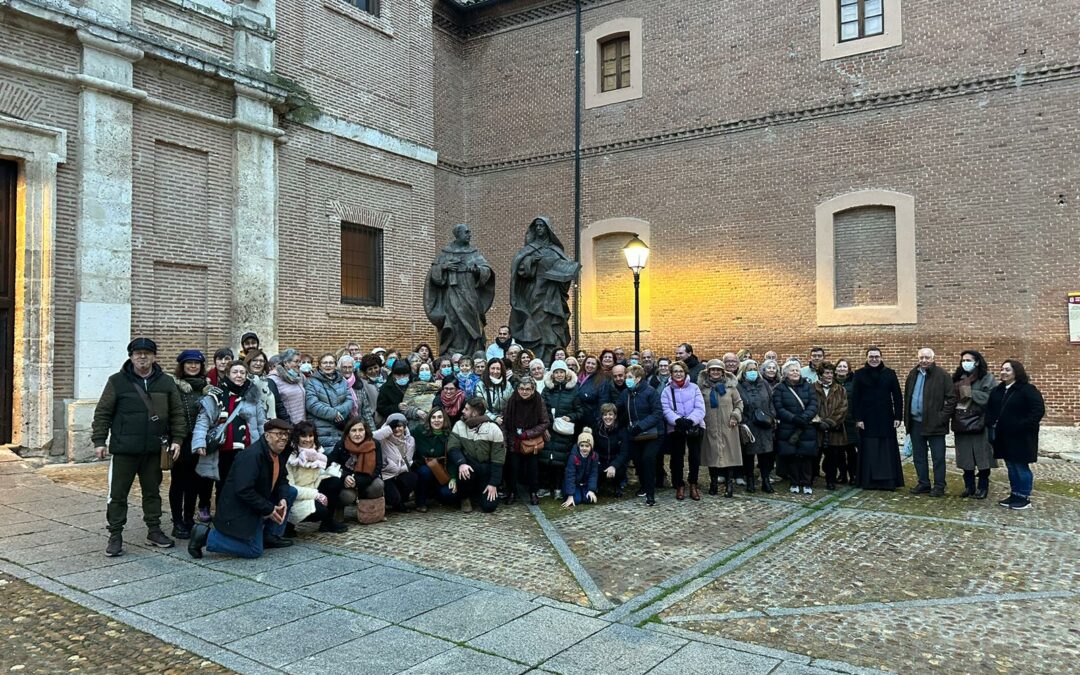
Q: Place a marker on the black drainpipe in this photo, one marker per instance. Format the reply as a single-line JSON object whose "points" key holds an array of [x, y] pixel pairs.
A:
{"points": [[577, 170]]}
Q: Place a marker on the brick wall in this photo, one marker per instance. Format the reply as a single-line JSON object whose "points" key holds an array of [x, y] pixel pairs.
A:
{"points": [[864, 248], [732, 208]]}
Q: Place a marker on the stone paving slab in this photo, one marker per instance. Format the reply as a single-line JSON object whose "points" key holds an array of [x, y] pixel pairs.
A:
{"points": [[65, 506], [42, 537], [252, 617], [538, 635], [615, 649], [701, 659], [284, 644], [65, 549], [28, 526], [253, 567], [471, 616], [310, 572], [390, 650], [159, 586], [460, 660], [351, 587], [405, 602], [59, 567], [186, 606], [96, 578]]}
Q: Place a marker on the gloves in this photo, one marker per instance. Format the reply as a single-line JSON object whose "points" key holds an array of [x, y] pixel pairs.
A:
{"points": [[683, 424], [635, 430]]}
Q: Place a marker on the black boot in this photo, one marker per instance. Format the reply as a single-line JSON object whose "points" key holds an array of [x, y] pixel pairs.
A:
{"points": [[766, 484], [729, 484], [750, 487], [983, 487], [714, 484], [969, 484]]}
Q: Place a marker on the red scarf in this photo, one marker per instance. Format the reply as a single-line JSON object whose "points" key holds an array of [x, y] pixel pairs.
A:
{"points": [[362, 456], [452, 405]]}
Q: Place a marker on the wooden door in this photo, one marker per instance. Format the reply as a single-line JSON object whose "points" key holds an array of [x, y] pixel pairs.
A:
{"points": [[9, 173]]}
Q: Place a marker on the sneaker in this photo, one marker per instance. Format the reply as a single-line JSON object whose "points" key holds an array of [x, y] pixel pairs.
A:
{"points": [[204, 515], [641, 493], [650, 502], [740, 481], [158, 538], [794, 489], [1007, 502], [116, 545], [808, 490], [466, 505], [558, 495], [1021, 504], [542, 493]]}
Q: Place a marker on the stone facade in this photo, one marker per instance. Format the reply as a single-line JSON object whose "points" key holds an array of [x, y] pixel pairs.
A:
{"points": [[186, 166]]}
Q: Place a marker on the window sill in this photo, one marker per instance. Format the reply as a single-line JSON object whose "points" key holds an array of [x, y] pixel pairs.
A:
{"points": [[377, 23]]}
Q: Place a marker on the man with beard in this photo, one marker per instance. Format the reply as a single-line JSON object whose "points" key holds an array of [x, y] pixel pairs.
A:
{"points": [[497, 349]]}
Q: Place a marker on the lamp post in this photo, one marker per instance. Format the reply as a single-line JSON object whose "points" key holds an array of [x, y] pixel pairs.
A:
{"points": [[637, 254]]}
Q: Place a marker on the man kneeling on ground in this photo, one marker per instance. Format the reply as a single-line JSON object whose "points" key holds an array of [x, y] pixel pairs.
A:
{"points": [[254, 501]]}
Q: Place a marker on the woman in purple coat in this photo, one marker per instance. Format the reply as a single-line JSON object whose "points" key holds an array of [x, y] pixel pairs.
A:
{"points": [[684, 412]]}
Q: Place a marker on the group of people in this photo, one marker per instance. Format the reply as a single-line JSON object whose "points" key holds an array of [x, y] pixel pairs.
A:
{"points": [[266, 442]]}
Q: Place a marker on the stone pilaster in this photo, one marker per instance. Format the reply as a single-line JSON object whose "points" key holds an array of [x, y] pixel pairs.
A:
{"points": [[103, 226]]}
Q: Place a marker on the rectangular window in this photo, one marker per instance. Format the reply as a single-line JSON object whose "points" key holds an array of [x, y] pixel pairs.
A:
{"points": [[361, 265], [369, 6], [615, 64], [861, 18]]}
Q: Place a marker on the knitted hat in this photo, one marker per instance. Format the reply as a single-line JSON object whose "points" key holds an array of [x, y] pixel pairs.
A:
{"points": [[586, 437], [145, 344], [559, 365], [191, 355]]}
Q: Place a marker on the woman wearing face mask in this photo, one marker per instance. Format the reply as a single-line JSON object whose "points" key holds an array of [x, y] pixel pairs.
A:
{"points": [[327, 400], [973, 382], [392, 393], [525, 419], [495, 390], [851, 449], [235, 413], [1013, 412], [398, 446], [420, 394], [642, 415], [445, 369], [721, 447], [290, 386], [760, 416], [684, 411], [307, 364]]}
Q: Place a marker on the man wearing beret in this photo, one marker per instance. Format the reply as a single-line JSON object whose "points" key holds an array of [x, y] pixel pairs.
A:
{"points": [[141, 415], [254, 502]]}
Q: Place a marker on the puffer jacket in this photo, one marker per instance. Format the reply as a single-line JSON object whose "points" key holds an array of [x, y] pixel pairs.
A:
{"points": [[292, 396], [561, 400], [483, 445], [122, 417], [252, 413], [397, 453], [796, 405], [640, 411], [327, 397], [685, 401]]}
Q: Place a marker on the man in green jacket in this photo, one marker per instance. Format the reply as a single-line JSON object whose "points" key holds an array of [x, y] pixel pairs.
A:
{"points": [[140, 414]]}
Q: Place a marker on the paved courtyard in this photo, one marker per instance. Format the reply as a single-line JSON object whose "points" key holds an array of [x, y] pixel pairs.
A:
{"points": [[848, 581]]}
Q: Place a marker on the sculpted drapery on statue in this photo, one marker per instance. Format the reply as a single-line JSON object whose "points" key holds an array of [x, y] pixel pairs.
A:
{"points": [[541, 275], [459, 291]]}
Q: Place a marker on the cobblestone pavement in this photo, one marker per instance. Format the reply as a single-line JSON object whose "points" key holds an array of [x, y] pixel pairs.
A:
{"points": [[769, 584], [43, 632]]}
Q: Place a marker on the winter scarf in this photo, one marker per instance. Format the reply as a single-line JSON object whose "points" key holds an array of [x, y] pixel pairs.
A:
{"points": [[361, 457], [475, 422], [452, 404], [524, 414], [283, 373], [237, 436], [716, 393]]}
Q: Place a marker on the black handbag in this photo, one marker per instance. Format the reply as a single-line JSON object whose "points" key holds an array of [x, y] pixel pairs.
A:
{"points": [[968, 421], [763, 419], [694, 431]]}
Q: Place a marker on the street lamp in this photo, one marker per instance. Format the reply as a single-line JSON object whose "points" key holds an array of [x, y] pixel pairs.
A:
{"points": [[637, 254]]}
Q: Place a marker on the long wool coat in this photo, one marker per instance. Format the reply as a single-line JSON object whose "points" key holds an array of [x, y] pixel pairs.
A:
{"points": [[721, 447], [758, 396]]}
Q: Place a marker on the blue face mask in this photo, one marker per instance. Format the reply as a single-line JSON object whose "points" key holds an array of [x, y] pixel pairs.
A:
{"points": [[390, 362], [446, 371], [633, 362], [425, 376], [401, 381], [292, 373], [630, 382], [305, 368], [751, 376], [457, 369], [968, 366]]}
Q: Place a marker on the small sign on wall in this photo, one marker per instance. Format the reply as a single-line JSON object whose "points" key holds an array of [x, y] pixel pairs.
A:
{"points": [[1074, 318]]}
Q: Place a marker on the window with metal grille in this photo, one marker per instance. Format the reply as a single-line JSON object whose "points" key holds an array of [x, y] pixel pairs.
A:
{"points": [[361, 265], [615, 63], [369, 6], [861, 18]]}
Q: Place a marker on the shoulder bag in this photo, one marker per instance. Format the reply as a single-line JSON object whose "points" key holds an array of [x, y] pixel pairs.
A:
{"points": [[531, 446], [437, 467], [157, 427]]}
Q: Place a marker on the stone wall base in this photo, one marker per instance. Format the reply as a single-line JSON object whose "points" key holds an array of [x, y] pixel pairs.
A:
{"points": [[78, 416]]}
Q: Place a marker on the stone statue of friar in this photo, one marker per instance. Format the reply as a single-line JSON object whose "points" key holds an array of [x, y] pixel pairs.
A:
{"points": [[458, 293], [540, 280]]}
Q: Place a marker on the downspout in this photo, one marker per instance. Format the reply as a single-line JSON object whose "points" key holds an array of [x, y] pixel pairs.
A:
{"points": [[577, 170]]}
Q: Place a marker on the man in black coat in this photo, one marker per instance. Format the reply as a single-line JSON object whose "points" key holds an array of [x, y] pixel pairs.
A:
{"points": [[931, 400], [877, 404], [254, 501]]}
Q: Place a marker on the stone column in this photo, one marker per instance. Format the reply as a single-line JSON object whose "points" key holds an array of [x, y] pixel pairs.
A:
{"points": [[103, 228], [255, 256]]}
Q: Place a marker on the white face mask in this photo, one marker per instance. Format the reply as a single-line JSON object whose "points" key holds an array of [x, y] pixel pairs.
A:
{"points": [[496, 380]]}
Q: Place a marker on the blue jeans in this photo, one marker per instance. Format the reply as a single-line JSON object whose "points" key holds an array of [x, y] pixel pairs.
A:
{"points": [[579, 496], [250, 548], [1021, 480], [919, 444]]}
